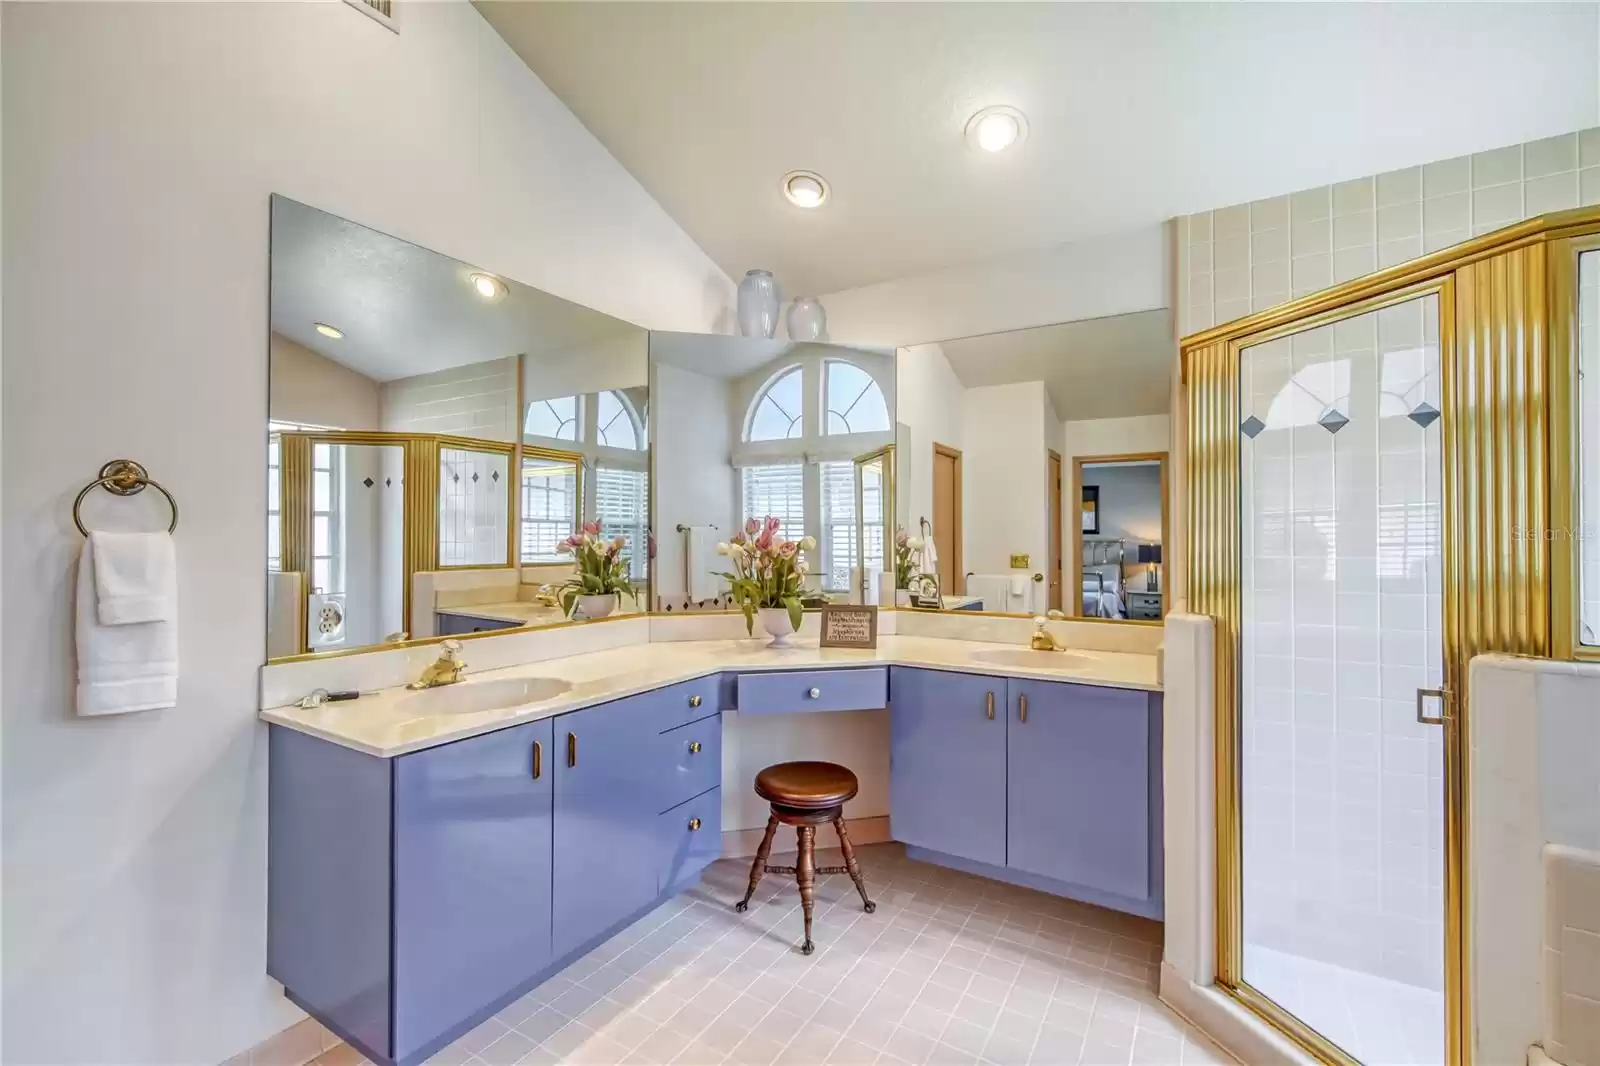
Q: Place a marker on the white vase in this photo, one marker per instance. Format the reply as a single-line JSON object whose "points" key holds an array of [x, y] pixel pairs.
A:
{"points": [[759, 301], [902, 597], [597, 606], [807, 320], [775, 620]]}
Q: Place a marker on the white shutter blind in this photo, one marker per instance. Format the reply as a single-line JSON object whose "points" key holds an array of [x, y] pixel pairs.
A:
{"points": [[779, 491], [838, 525], [619, 497], [549, 508]]}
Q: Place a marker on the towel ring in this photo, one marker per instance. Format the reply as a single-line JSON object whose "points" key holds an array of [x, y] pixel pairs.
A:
{"points": [[123, 477]]}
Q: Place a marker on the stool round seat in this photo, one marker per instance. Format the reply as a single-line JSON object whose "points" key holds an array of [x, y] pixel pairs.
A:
{"points": [[807, 786]]}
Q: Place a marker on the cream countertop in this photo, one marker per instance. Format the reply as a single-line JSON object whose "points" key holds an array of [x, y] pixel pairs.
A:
{"points": [[383, 725], [522, 612]]}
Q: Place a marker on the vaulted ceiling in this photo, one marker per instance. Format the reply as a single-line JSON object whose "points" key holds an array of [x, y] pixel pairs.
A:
{"points": [[1136, 112]]}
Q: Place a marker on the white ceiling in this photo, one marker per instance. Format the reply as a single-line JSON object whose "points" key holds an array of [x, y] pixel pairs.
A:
{"points": [[406, 310], [1114, 367], [1138, 112]]}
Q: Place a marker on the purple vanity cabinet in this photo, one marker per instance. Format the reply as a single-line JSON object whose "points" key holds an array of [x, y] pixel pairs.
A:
{"points": [[947, 758], [472, 858], [1079, 786], [611, 772]]}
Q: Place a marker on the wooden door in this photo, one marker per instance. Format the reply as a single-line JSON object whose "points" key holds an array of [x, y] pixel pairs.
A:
{"points": [[947, 535], [947, 763], [471, 895], [1055, 568], [1078, 785]]}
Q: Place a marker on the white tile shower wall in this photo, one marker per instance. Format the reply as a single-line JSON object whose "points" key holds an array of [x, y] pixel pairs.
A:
{"points": [[1343, 829], [1249, 257], [474, 508], [476, 400]]}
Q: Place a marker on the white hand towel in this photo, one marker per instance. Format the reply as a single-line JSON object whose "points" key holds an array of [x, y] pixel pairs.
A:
{"points": [[702, 564], [930, 554], [126, 667], [1019, 585], [135, 578]]}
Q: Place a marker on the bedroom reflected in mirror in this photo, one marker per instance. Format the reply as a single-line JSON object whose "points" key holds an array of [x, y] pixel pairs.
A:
{"points": [[438, 435], [1018, 451], [1120, 532], [748, 429]]}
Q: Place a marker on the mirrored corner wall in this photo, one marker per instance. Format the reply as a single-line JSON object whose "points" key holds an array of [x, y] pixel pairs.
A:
{"points": [[1035, 463], [748, 428], [436, 434]]}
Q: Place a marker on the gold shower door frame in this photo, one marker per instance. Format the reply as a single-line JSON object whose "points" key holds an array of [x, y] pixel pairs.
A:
{"points": [[1507, 307]]}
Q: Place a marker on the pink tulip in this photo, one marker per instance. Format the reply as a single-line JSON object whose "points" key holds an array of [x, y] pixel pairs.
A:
{"points": [[592, 528], [752, 527], [788, 548], [738, 538], [575, 541], [773, 524], [764, 542]]}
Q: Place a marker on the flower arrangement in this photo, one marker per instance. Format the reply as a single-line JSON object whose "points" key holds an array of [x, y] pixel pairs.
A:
{"points": [[601, 569], [905, 550], [767, 570]]}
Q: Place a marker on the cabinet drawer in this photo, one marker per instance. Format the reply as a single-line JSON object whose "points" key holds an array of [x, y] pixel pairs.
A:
{"points": [[688, 838], [791, 691], [678, 704], [692, 755]]}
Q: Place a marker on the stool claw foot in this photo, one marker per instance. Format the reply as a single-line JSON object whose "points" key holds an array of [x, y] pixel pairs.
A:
{"points": [[870, 907], [742, 906], [807, 948]]}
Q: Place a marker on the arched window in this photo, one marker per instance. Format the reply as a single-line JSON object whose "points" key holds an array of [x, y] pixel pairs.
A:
{"points": [[617, 424], [776, 413], [855, 402], [555, 418]]}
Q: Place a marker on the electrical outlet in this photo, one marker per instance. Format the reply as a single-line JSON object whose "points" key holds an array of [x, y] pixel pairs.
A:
{"points": [[1021, 562]]}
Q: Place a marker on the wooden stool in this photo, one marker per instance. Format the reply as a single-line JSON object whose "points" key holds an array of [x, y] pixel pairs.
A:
{"points": [[806, 795]]}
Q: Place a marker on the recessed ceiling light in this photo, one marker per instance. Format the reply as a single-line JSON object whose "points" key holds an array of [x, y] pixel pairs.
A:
{"points": [[994, 129], [333, 332], [488, 286], [804, 188]]}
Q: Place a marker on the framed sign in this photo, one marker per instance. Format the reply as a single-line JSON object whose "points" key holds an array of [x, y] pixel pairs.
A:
{"points": [[849, 626], [1091, 509]]}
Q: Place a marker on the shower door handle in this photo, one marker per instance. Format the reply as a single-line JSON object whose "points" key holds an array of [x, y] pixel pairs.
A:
{"points": [[1440, 694]]}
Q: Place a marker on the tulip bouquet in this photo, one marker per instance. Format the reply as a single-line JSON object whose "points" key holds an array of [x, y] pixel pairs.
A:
{"points": [[905, 551], [601, 569], [767, 570]]}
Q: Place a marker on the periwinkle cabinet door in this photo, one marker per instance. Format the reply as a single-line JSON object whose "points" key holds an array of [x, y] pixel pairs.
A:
{"points": [[947, 754], [1079, 785], [472, 850], [609, 770]]}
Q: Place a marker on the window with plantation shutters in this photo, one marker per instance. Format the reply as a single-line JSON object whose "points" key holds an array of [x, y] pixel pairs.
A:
{"points": [[777, 490], [838, 525], [549, 508], [620, 498]]}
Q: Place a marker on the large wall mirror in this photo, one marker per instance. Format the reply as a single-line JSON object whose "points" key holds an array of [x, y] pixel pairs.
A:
{"points": [[1034, 464], [438, 435], [750, 429]]}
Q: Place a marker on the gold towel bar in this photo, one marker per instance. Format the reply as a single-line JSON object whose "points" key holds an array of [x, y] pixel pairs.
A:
{"points": [[124, 477]]}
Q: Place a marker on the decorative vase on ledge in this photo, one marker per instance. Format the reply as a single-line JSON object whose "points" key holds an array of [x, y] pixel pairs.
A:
{"points": [[759, 300], [597, 606], [807, 320], [775, 620]]}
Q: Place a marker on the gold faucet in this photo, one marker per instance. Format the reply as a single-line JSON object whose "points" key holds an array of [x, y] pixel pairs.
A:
{"points": [[1043, 639], [445, 670]]}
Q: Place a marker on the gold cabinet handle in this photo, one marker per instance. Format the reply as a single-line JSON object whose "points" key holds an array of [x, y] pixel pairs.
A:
{"points": [[694, 701], [1022, 707], [694, 825], [538, 760], [694, 747], [572, 749], [988, 705]]}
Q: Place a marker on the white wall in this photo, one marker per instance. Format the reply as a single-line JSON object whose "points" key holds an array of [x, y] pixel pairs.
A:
{"points": [[1130, 502], [141, 144], [932, 405], [309, 389], [619, 361], [1110, 275], [695, 480], [1004, 475]]}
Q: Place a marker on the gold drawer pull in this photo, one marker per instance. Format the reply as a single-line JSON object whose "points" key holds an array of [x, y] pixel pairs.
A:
{"points": [[572, 749], [694, 747], [694, 701], [1022, 708], [538, 759], [694, 825], [988, 706]]}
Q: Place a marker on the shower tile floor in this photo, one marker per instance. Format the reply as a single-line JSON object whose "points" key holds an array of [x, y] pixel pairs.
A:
{"points": [[1378, 1021], [952, 969]]}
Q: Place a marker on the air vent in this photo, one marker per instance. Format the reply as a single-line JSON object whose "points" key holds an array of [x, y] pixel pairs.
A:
{"points": [[381, 11]]}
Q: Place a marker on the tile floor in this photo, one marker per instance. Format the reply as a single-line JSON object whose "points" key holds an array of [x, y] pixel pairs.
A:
{"points": [[952, 969]]}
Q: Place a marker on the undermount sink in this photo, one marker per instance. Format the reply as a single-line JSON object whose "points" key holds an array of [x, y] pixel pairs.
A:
{"points": [[465, 697], [1027, 657]]}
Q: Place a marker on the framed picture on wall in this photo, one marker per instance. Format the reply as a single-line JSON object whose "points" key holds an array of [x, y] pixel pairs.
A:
{"points": [[1091, 509]]}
